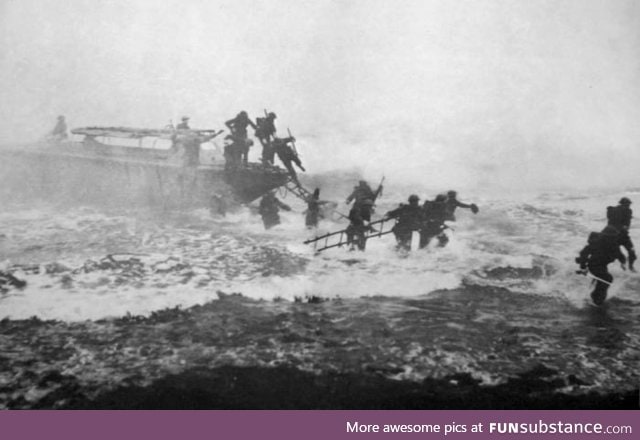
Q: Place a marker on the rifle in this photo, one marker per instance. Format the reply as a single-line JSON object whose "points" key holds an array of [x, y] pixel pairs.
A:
{"points": [[261, 126], [341, 214], [270, 136], [590, 275], [379, 190], [293, 142]]}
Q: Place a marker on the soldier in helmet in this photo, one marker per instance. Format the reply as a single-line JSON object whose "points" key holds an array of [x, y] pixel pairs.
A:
{"points": [[434, 212], [363, 191], [602, 249], [238, 125], [359, 217], [452, 203], [314, 205], [265, 132], [269, 209], [409, 218], [287, 155], [360, 192], [619, 217], [184, 125]]}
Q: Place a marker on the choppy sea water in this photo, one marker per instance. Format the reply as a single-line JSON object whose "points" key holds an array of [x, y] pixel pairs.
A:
{"points": [[501, 298], [86, 263]]}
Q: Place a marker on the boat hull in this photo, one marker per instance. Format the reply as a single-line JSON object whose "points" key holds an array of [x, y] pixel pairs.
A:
{"points": [[97, 173]]}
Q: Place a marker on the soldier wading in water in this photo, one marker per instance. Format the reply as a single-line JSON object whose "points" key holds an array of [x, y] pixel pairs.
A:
{"points": [[269, 208]]}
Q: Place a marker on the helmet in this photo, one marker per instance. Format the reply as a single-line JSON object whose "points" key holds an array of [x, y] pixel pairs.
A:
{"points": [[362, 182], [441, 198], [625, 201], [185, 118], [271, 115], [413, 198], [452, 193], [243, 114]]}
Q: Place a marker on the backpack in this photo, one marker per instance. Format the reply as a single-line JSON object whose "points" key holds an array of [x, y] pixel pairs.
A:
{"points": [[260, 123], [616, 216], [610, 213]]}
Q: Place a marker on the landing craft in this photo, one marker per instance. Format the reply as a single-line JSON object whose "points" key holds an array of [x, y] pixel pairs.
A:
{"points": [[136, 167]]}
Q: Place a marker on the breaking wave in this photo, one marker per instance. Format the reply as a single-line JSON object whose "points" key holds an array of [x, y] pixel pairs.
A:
{"points": [[81, 263]]}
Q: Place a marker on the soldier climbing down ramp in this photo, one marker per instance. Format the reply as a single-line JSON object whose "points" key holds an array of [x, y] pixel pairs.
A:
{"points": [[287, 155]]}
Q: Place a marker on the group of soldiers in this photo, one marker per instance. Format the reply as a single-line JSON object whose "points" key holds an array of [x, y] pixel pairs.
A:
{"points": [[603, 248], [238, 144], [236, 150], [270, 206], [427, 219]]}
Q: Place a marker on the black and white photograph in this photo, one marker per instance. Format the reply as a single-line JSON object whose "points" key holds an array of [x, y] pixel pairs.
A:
{"points": [[319, 204]]}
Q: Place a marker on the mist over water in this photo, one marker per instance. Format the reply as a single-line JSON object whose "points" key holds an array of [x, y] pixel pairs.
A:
{"points": [[470, 94], [89, 263]]}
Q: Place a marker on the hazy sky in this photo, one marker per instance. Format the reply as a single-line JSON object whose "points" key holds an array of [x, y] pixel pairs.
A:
{"points": [[451, 92]]}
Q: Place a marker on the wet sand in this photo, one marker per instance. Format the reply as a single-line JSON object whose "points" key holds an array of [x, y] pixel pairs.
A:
{"points": [[468, 348]]}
